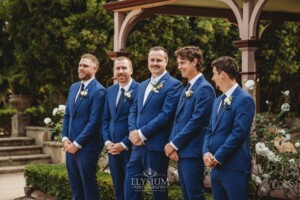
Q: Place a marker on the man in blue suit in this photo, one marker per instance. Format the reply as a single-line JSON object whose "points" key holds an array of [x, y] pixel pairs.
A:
{"points": [[119, 99], [190, 123], [226, 146], [82, 139], [150, 123]]}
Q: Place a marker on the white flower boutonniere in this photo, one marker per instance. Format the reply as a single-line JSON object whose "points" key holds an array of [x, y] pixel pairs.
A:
{"points": [[157, 87], [189, 93], [84, 93], [228, 101], [128, 95]]}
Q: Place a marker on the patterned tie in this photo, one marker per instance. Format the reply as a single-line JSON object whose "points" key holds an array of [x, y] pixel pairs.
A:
{"points": [[222, 103], [120, 98], [187, 86]]}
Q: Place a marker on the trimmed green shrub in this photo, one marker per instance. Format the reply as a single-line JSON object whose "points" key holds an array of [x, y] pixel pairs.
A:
{"points": [[5, 116], [53, 180]]}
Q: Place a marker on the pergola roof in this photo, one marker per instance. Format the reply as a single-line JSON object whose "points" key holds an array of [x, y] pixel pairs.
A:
{"points": [[275, 10]]}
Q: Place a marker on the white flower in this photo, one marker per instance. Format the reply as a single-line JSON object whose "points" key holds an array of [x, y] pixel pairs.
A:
{"points": [[286, 93], [84, 93], [256, 179], [268, 102], [297, 144], [61, 107], [285, 107], [282, 132], [128, 94], [54, 112], [175, 173], [47, 120], [261, 149], [188, 93], [157, 87], [292, 161], [228, 100], [287, 137], [250, 84]]}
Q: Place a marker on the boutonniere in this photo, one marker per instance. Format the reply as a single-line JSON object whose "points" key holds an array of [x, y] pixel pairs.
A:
{"points": [[228, 101], [188, 93], [84, 93], [128, 95], [158, 86]]}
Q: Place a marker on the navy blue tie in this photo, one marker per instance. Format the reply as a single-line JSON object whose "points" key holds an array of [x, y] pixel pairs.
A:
{"points": [[222, 103], [120, 98]]}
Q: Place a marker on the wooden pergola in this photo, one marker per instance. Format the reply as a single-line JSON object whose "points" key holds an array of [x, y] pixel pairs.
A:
{"points": [[245, 13]]}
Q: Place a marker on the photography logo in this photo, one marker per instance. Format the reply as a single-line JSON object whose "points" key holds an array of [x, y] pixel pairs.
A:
{"points": [[156, 181]]}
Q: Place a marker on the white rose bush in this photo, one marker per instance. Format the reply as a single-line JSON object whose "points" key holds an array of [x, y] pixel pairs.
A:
{"points": [[275, 154], [56, 122]]}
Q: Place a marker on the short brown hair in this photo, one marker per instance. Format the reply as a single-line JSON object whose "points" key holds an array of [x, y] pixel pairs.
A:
{"points": [[158, 48], [190, 53], [228, 65], [93, 58], [123, 58]]}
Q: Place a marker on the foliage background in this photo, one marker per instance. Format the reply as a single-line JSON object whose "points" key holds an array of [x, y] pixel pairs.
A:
{"points": [[42, 41]]}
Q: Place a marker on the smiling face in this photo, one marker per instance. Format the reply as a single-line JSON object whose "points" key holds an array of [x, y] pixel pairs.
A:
{"points": [[157, 62], [188, 69], [123, 71], [86, 69]]}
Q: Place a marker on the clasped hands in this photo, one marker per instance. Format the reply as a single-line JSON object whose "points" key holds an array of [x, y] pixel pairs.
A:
{"points": [[70, 147], [135, 138], [171, 152], [114, 148], [209, 160]]}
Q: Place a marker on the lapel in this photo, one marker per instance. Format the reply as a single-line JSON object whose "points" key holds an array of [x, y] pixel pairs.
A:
{"points": [[183, 99], [143, 88], [217, 117], [162, 79], [113, 100], [80, 98]]}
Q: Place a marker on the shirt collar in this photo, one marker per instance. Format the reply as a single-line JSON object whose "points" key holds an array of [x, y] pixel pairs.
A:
{"points": [[86, 83], [231, 90], [156, 79], [127, 86], [193, 81]]}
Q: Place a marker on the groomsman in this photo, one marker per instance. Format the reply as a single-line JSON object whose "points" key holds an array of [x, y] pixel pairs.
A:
{"points": [[190, 123], [115, 130], [82, 139], [150, 123], [226, 146]]}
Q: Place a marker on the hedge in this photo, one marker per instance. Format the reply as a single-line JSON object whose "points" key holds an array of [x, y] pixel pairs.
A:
{"points": [[53, 180]]}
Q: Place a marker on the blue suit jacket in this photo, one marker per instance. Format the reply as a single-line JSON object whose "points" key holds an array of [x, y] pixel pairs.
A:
{"points": [[115, 124], [227, 137], [82, 120], [192, 118], [155, 117]]}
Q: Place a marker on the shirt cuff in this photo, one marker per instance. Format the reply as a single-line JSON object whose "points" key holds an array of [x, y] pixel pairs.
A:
{"points": [[173, 145], [143, 138], [64, 139], [124, 146], [107, 142], [77, 145]]}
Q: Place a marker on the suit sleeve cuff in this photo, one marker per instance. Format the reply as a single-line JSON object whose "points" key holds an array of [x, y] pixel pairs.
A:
{"points": [[77, 145], [107, 142], [173, 145], [143, 138], [124, 146], [64, 139]]}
